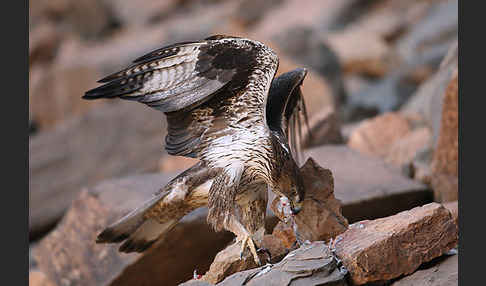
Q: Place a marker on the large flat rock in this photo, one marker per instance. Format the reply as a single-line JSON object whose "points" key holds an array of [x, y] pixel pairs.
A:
{"points": [[387, 248]]}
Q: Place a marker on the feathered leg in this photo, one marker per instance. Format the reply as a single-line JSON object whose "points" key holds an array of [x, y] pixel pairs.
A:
{"points": [[249, 225]]}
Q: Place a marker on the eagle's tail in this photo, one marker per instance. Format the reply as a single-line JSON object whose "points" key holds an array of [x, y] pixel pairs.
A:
{"points": [[152, 221], [139, 232]]}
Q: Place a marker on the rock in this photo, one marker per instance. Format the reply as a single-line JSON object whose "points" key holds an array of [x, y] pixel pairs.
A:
{"points": [[37, 278], [367, 187], [275, 245], [69, 255], [445, 162], [121, 138], [176, 163], [443, 273], [227, 262], [325, 128], [389, 247], [312, 264], [376, 136], [320, 218]]}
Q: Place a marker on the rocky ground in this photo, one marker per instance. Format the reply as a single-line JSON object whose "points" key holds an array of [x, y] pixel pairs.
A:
{"points": [[382, 93]]}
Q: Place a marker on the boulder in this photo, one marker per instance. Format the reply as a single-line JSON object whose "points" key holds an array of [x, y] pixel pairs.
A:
{"points": [[387, 248]]}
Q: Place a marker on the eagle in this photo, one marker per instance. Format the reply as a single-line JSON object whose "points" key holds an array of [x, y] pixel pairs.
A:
{"points": [[224, 107]]}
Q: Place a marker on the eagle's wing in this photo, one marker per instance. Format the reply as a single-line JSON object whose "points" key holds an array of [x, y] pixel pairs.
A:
{"points": [[285, 108], [201, 86]]}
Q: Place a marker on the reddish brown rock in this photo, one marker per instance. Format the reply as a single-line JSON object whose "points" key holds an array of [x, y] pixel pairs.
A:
{"points": [[275, 245], [387, 248], [445, 159], [443, 273], [320, 218], [227, 262], [376, 136]]}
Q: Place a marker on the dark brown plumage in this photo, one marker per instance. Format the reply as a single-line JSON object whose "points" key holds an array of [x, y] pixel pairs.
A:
{"points": [[214, 95]]}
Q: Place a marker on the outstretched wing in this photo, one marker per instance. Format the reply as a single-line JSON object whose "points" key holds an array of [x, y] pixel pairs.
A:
{"points": [[198, 85], [285, 108]]}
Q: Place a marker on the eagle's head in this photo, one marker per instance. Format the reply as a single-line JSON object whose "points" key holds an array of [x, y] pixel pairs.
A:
{"points": [[287, 180]]}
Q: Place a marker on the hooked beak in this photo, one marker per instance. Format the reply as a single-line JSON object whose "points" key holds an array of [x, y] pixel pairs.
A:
{"points": [[296, 208]]}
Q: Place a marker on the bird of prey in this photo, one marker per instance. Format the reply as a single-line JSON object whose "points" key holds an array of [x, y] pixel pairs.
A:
{"points": [[224, 107]]}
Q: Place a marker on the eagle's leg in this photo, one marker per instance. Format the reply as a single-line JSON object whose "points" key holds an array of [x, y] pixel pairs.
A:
{"points": [[252, 204], [248, 241]]}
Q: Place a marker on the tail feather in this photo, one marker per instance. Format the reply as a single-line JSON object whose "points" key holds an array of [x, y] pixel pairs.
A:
{"points": [[149, 232], [157, 216], [129, 225]]}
